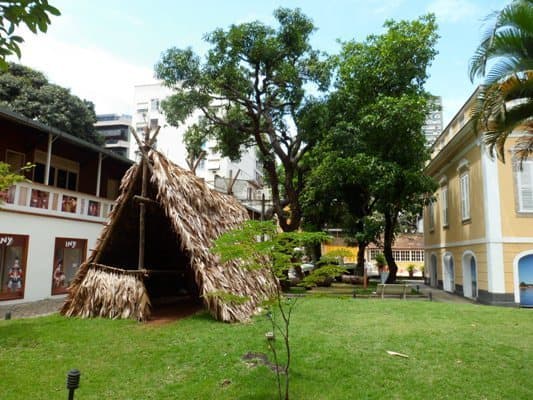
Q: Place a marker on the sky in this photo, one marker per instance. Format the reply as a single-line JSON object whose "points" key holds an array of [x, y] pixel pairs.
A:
{"points": [[102, 49]]}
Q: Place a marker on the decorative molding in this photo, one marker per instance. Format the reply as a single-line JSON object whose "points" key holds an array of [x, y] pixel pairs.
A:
{"points": [[464, 165], [461, 154], [456, 244], [517, 239]]}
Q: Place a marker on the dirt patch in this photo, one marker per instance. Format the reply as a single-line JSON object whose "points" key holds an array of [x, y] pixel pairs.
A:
{"points": [[167, 313], [255, 359]]}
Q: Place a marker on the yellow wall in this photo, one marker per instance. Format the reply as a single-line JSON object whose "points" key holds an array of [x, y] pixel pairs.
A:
{"points": [[510, 251], [514, 224], [326, 248], [479, 251], [458, 230]]}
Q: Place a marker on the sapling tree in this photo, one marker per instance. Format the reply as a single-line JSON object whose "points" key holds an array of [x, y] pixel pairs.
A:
{"points": [[260, 245]]}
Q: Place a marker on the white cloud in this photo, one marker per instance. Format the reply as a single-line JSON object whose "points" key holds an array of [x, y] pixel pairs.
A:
{"points": [[381, 7], [454, 10], [90, 72]]}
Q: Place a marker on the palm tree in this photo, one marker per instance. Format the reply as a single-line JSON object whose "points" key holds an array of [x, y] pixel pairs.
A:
{"points": [[504, 58]]}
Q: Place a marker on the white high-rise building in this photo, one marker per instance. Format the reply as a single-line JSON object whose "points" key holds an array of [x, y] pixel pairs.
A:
{"points": [[433, 126], [217, 171]]}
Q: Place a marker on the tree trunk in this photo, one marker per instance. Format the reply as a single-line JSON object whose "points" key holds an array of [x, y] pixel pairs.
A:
{"points": [[360, 268], [287, 223], [388, 239]]}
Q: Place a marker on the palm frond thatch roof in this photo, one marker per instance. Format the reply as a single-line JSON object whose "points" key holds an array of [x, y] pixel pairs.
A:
{"points": [[194, 215]]}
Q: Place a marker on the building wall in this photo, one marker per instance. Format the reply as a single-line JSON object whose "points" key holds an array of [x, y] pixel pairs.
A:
{"points": [[42, 232], [497, 233], [170, 139], [514, 223], [458, 253], [458, 230], [510, 252]]}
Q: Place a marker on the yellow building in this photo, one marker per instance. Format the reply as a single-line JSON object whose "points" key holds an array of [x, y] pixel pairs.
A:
{"points": [[478, 234]]}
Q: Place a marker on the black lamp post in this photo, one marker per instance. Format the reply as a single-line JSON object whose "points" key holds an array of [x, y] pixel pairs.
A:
{"points": [[73, 382]]}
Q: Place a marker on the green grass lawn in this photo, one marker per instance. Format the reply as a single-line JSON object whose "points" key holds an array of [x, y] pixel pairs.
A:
{"points": [[456, 351]]}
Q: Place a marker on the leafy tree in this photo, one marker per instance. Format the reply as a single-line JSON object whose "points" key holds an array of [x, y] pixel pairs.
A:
{"points": [[194, 140], [375, 149], [260, 245], [251, 89], [35, 14], [8, 177], [505, 59], [29, 93]]}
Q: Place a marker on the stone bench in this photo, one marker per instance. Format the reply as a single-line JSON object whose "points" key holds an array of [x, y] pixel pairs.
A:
{"points": [[400, 289]]}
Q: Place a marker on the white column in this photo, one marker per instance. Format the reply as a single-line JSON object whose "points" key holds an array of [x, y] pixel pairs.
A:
{"points": [[48, 159], [99, 174], [493, 222]]}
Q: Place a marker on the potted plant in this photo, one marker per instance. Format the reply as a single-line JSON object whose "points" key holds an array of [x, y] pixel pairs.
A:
{"points": [[381, 263], [411, 268]]}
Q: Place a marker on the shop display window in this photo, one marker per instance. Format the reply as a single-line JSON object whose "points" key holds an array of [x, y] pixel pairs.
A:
{"points": [[13, 254], [68, 256]]}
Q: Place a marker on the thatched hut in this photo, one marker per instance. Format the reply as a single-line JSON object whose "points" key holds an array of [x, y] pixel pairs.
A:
{"points": [[183, 217]]}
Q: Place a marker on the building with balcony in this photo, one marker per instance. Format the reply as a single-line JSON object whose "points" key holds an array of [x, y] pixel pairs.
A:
{"points": [[50, 222], [433, 124], [478, 235], [115, 129], [217, 171]]}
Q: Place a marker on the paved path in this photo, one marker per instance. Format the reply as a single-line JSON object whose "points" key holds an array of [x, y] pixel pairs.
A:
{"points": [[32, 309], [439, 295], [50, 306]]}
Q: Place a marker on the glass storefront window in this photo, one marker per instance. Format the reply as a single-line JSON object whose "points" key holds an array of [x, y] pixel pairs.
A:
{"points": [[68, 256], [13, 252]]}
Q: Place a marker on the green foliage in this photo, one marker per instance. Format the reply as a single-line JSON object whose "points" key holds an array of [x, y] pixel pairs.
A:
{"points": [[34, 14], [381, 261], [373, 151], [259, 244], [504, 58], [9, 177], [411, 268], [252, 88], [29, 93], [327, 269], [322, 276]]}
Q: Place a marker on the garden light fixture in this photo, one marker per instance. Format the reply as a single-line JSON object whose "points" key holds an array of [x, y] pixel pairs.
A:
{"points": [[73, 382]]}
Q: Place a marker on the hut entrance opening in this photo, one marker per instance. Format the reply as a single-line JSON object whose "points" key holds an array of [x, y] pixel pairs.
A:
{"points": [[169, 280]]}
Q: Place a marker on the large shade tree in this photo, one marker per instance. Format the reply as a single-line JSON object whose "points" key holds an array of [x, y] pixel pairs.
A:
{"points": [[377, 112], [251, 89], [29, 93], [504, 58]]}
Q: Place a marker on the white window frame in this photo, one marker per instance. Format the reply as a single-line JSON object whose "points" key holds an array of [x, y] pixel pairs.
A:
{"points": [[444, 205], [464, 184], [525, 187]]}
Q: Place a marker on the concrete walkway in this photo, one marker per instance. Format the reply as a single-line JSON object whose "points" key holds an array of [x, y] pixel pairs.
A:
{"points": [[438, 295], [32, 309], [50, 306]]}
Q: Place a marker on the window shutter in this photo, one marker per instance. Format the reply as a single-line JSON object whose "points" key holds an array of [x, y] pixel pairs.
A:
{"points": [[526, 186], [465, 197], [444, 203]]}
